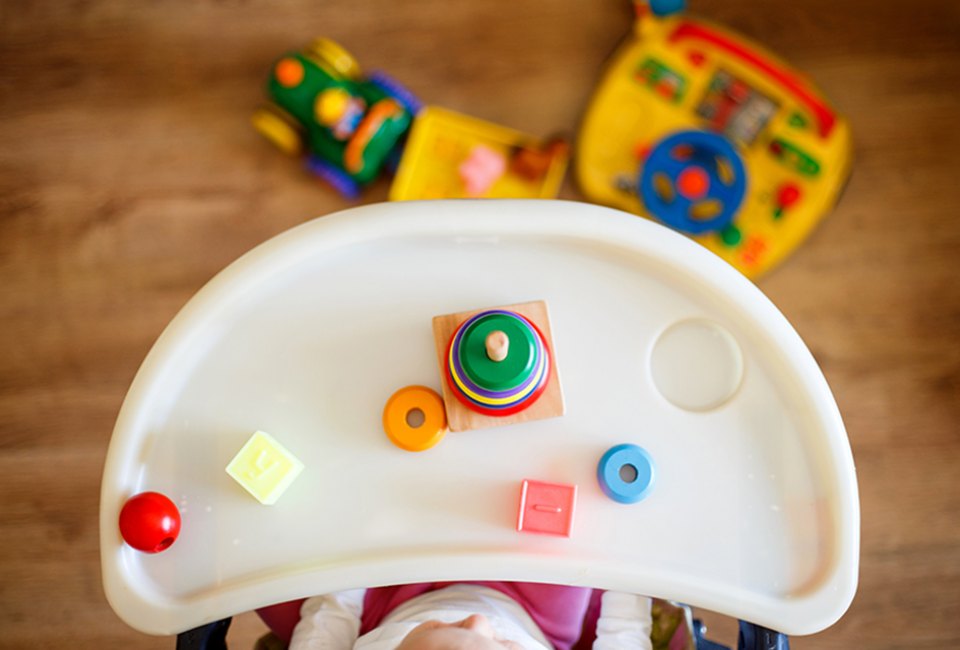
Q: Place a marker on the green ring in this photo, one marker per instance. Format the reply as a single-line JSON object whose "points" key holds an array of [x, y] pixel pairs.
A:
{"points": [[503, 375]]}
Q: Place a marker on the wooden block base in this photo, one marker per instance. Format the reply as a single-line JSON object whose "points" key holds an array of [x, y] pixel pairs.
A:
{"points": [[459, 416]]}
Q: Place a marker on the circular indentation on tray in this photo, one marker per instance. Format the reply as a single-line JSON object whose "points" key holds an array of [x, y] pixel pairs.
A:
{"points": [[696, 365], [415, 418], [626, 473]]}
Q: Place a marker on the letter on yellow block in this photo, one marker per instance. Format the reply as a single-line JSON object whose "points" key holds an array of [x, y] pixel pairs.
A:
{"points": [[264, 468]]}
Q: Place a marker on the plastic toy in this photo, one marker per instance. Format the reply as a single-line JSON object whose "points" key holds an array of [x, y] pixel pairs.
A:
{"points": [[349, 126], [626, 473], [497, 366], [698, 128], [414, 418], [482, 168], [449, 155], [264, 468], [546, 508], [754, 513], [149, 522]]}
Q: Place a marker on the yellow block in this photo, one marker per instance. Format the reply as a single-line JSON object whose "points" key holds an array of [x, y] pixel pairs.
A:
{"points": [[264, 468]]}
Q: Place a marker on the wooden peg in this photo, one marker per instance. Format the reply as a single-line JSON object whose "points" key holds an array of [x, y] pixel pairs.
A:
{"points": [[498, 345]]}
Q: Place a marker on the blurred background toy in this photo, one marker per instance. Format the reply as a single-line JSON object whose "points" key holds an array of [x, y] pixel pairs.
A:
{"points": [[698, 128], [450, 155], [348, 125]]}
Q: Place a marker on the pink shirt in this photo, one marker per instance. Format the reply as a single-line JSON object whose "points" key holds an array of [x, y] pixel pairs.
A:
{"points": [[556, 609]]}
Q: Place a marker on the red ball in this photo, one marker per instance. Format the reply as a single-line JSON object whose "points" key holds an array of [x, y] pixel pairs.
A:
{"points": [[149, 522]]}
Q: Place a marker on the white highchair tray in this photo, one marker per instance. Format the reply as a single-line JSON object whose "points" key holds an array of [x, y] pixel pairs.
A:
{"points": [[754, 512]]}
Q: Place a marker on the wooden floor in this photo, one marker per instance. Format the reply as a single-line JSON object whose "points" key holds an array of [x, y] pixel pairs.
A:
{"points": [[129, 175]]}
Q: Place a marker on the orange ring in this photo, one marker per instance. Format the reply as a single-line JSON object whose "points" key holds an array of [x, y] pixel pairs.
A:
{"points": [[400, 404]]}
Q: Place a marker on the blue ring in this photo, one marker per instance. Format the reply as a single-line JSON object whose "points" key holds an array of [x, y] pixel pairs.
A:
{"points": [[608, 473]]}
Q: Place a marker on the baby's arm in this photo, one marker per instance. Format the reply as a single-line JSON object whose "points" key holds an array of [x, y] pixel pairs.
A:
{"points": [[330, 622], [624, 622]]}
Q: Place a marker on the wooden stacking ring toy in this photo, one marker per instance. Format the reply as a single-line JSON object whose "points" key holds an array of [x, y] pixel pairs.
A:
{"points": [[401, 415], [498, 363]]}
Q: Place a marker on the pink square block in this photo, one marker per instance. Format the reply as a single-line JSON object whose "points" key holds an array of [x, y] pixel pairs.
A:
{"points": [[547, 508]]}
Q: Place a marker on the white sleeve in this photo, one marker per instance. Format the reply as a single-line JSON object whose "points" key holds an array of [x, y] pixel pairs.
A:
{"points": [[330, 622], [624, 622]]}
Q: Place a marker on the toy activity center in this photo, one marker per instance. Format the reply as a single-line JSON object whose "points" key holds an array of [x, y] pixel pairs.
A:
{"points": [[698, 128], [691, 125], [522, 390]]}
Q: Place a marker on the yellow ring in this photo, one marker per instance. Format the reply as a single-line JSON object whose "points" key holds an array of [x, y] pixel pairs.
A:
{"points": [[404, 401]]}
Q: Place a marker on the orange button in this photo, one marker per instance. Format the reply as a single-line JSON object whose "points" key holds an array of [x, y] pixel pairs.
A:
{"points": [[289, 73], [415, 418], [693, 183]]}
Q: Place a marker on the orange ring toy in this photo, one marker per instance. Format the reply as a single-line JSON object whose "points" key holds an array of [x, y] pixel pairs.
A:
{"points": [[397, 418]]}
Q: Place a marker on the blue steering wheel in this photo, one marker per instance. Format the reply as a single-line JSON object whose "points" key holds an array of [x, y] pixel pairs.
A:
{"points": [[693, 181]]}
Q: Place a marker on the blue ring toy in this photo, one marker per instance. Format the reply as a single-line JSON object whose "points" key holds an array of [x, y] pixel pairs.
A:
{"points": [[608, 473], [706, 151]]}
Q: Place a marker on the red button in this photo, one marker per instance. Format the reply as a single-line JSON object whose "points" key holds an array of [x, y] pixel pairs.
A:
{"points": [[693, 183], [787, 195]]}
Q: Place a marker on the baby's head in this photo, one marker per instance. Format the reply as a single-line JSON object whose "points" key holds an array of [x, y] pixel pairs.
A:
{"points": [[472, 633]]}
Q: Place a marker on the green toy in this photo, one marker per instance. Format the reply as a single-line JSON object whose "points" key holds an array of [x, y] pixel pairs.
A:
{"points": [[348, 126]]}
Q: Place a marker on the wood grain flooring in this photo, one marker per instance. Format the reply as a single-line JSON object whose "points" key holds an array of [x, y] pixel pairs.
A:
{"points": [[129, 176]]}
